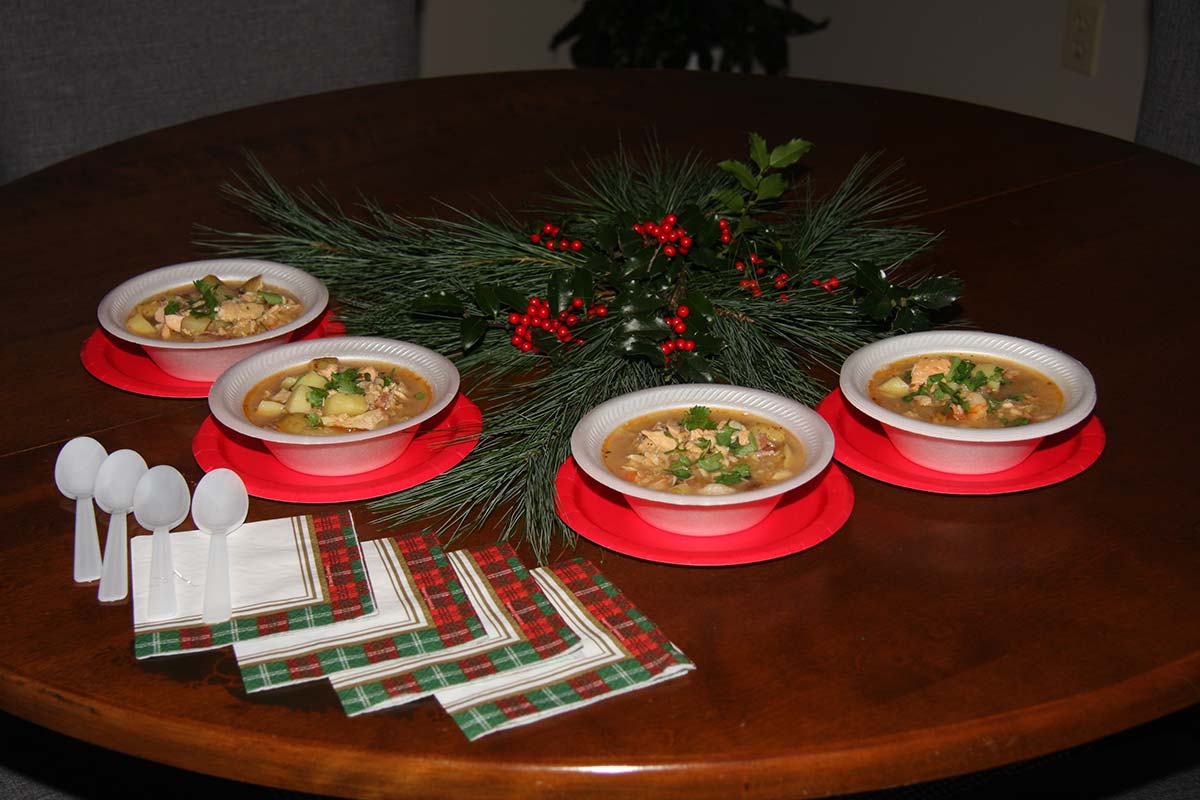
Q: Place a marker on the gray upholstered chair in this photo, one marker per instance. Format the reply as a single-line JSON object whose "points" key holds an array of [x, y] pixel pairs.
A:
{"points": [[79, 74], [1170, 115]]}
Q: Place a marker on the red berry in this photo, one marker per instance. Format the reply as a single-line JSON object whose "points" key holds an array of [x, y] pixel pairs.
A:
{"points": [[601, 311], [815, 282], [563, 244], [783, 298], [514, 319], [754, 259], [577, 302], [572, 319], [834, 282], [689, 345], [637, 228], [745, 282], [526, 346], [547, 228], [757, 292], [521, 330], [516, 341], [669, 251], [576, 245], [543, 312], [667, 347], [783, 276], [724, 223], [679, 327], [670, 220], [682, 312], [685, 242], [555, 229], [550, 244], [759, 271], [725, 237], [535, 238]]}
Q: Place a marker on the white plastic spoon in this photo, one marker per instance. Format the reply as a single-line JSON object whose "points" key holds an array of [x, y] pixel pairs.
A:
{"points": [[115, 482], [219, 508], [160, 502], [75, 473]]}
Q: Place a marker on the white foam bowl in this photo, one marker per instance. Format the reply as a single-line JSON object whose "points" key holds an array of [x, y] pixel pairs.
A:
{"points": [[968, 451], [340, 453], [204, 361], [701, 515]]}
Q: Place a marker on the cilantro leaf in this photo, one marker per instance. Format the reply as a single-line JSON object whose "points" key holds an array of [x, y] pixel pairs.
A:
{"points": [[745, 449], [734, 475], [316, 396], [313, 420], [344, 382], [697, 418], [710, 463], [172, 307], [724, 436], [271, 298]]}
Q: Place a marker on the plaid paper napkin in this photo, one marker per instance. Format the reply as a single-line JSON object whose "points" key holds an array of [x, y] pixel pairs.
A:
{"points": [[422, 608], [522, 628], [284, 574], [622, 651]]}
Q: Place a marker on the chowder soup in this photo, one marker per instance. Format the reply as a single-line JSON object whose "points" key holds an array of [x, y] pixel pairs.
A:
{"points": [[966, 390], [701, 450], [329, 396], [210, 310]]}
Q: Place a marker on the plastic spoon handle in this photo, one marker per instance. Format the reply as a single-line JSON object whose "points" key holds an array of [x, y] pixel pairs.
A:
{"points": [[87, 541], [217, 602], [162, 577], [114, 578]]}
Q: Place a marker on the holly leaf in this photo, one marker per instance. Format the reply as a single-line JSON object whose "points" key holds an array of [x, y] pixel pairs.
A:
{"points": [[582, 285], [707, 344], [696, 368], [644, 324], [701, 307], [731, 200], [545, 342], [510, 297], [758, 151], [558, 292], [787, 154], [606, 236], [487, 299], [910, 319], [471, 332], [771, 187], [438, 304], [740, 171], [937, 291], [597, 264], [870, 278], [637, 346]]}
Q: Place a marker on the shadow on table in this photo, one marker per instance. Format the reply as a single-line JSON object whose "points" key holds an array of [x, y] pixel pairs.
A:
{"points": [[1159, 761]]}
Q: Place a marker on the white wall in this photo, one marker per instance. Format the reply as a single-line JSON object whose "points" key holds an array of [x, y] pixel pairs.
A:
{"points": [[1001, 53]]}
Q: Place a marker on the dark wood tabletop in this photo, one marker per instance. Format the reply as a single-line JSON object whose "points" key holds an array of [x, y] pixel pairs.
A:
{"points": [[931, 636]]}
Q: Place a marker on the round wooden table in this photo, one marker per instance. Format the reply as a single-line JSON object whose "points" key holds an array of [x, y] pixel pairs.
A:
{"points": [[933, 635]]}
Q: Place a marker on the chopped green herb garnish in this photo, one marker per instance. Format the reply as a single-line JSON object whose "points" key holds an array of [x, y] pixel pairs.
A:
{"points": [[172, 307], [316, 396], [734, 475], [386, 379], [344, 382], [313, 420], [745, 449], [208, 297], [725, 436], [697, 418], [709, 463], [419, 395], [271, 298], [1009, 423]]}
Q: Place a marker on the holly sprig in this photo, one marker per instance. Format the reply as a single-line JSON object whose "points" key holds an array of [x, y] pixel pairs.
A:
{"points": [[643, 271]]}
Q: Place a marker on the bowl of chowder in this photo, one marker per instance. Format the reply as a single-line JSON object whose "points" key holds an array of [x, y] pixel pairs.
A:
{"points": [[967, 402], [197, 319], [702, 459], [338, 406]]}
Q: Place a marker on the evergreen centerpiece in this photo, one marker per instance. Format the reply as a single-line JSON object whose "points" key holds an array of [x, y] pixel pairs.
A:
{"points": [[643, 271]]}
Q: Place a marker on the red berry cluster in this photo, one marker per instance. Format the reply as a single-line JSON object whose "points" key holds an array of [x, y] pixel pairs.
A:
{"points": [[829, 284], [675, 240], [547, 234], [677, 324], [726, 236], [537, 315], [752, 284]]}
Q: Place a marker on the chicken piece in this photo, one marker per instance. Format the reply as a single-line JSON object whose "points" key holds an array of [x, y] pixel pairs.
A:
{"points": [[654, 439], [366, 421], [926, 367], [976, 408], [233, 310], [173, 321]]}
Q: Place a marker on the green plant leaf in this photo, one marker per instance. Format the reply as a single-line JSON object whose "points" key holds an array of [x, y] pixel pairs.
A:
{"points": [[758, 151], [696, 368], [558, 292], [740, 171], [731, 200], [582, 285], [471, 332], [707, 344], [870, 278], [787, 154], [511, 297], [487, 299], [771, 187], [701, 308], [937, 291], [438, 304]]}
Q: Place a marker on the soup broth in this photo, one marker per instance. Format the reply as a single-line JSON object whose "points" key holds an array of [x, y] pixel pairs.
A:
{"points": [[966, 391], [702, 451], [210, 310], [330, 396]]}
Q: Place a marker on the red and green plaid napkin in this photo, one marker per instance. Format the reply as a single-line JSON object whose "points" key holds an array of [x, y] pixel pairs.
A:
{"points": [[622, 651], [343, 591], [525, 629], [439, 616]]}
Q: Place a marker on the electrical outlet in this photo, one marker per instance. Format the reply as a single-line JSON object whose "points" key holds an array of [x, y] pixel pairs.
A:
{"points": [[1081, 41]]}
